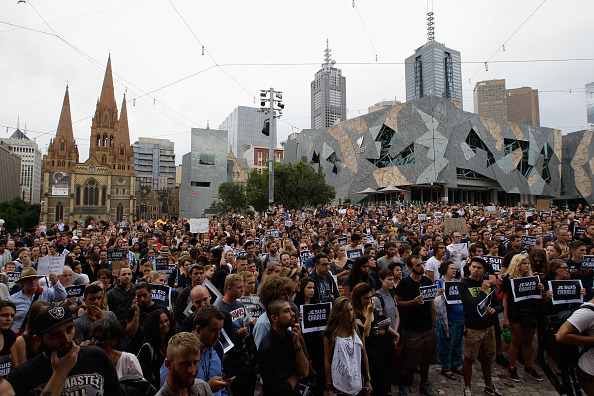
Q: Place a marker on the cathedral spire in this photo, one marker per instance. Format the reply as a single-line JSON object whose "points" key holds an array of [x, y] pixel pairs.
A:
{"points": [[65, 123], [107, 98], [123, 134]]}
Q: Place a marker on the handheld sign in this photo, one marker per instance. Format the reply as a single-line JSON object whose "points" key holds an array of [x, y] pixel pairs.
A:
{"points": [[451, 293], [75, 291], [543, 205], [460, 248], [117, 254], [225, 341], [566, 291], [370, 239], [438, 215], [162, 294], [199, 226], [162, 265], [528, 240], [288, 223], [454, 224], [526, 288], [253, 308], [495, 262], [315, 317], [13, 276], [304, 254], [422, 216], [354, 253], [273, 233], [428, 292], [483, 305], [50, 265], [587, 262], [578, 232], [343, 241], [215, 294]]}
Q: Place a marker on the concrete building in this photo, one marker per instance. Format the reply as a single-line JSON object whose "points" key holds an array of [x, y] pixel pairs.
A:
{"points": [[434, 69], [328, 94], [590, 103], [30, 180], [490, 99], [435, 151], [103, 187], [204, 168], [257, 157], [10, 166], [244, 126], [154, 163], [522, 105]]}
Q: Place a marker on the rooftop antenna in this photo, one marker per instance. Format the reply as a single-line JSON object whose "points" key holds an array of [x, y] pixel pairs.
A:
{"points": [[18, 122], [328, 55], [430, 23]]}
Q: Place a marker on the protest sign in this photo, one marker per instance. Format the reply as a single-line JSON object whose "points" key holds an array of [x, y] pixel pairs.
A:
{"points": [[354, 253], [483, 305], [422, 216], [451, 224], [438, 215], [543, 205], [199, 226], [587, 262], [491, 208], [225, 341], [578, 232], [304, 254], [301, 390], [546, 234], [428, 292], [566, 291], [460, 248], [451, 293], [75, 291], [162, 265], [273, 233], [50, 265], [288, 223], [315, 317], [162, 294], [343, 241], [253, 308], [370, 239], [215, 294], [117, 254], [495, 262], [526, 288], [13, 276], [528, 240]]}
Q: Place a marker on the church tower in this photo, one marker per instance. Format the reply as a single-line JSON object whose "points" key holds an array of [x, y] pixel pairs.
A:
{"points": [[62, 153]]}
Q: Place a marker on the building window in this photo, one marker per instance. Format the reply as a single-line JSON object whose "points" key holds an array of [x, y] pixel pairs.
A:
{"points": [[91, 193], [77, 195], [117, 191], [206, 159], [62, 145], [59, 212], [103, 159], [200, 184], [110, 140], [122, 150], [119, 213], [103, 195], [98, 140]]}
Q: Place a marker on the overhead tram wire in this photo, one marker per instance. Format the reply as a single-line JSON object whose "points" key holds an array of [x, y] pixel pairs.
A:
{"points": [[366, 32]]}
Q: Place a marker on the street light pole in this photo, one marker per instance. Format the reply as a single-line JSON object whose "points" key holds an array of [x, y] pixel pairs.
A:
{"points": [[275, 98]]}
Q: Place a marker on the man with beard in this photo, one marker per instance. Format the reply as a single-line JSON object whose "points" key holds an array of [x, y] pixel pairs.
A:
{"points": [[183, 361], [63, 367]]}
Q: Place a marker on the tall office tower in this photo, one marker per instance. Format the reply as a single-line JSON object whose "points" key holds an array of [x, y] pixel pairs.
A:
{"points": [[489, 99], [522, 105], [31, 158], [154, 163], [590, 102], [328, 94], [434, 70], [244, 125]]}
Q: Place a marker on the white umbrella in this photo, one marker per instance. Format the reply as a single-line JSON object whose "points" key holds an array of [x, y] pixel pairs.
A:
{"points": [[390, 189], [368, 190]]}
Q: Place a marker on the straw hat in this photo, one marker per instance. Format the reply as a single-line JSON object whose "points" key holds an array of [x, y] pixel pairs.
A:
{"points": [[29, 272]]}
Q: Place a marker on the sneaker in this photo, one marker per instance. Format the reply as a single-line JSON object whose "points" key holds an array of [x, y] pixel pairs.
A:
{"points": [[403, 391], [513, 374], [502, 361], [492, 391], [531, 372], [467, 391], [426, 389]]}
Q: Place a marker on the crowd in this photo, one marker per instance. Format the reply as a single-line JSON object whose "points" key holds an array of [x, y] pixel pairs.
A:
{"points": [[341, 300]]}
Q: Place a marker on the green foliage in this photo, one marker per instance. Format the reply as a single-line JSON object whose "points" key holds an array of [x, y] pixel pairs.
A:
{"points": [[233, 199], [19, 214], [296, 186]]}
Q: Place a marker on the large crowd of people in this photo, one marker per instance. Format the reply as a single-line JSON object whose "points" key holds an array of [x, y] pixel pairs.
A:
{"points": [[340, 300]]}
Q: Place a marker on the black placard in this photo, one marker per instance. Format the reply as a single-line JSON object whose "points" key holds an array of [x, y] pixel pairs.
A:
{"points": [[161, 293], [528, 240], [253, 308], [578, 232], [451, 293], [273, 233], [483, 305], [566, 291], [587, 262], [75, 291], [215, 294], [343, 241], [304, 254], [495, 262], [13, 276], [543, 235], [428, 292], [315, 316], [117, 254], [526, 288], [162, 265], [354, 253]]}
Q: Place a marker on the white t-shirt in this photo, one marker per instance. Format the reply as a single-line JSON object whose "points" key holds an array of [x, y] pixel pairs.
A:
{"points": [[346, 365], [128, 364], [583, 321], [433, 265]]}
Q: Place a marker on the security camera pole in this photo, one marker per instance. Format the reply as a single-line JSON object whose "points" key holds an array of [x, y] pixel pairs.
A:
{"points": [[269, 130]]}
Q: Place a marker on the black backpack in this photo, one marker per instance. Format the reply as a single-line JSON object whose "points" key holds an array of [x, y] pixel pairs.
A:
{"points": [[133, 385]]}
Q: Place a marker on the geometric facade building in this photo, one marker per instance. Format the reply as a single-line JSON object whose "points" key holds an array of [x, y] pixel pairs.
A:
{"points": [[154, 163], [433, 150], [30, 154], [578, 166], [103, 186], [328, 94]]}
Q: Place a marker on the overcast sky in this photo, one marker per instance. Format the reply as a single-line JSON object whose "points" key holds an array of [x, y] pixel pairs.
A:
{"points": [[152, 47]]}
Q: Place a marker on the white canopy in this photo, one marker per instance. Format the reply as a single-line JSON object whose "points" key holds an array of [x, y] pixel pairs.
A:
{"points": [[368, 190], [390, 189]]}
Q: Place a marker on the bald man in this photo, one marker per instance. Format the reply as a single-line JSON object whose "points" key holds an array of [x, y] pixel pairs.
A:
{"points": [[200, 297]]}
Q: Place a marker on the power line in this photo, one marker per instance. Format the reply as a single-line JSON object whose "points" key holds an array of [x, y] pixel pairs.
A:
{"points": [[365, 29]]}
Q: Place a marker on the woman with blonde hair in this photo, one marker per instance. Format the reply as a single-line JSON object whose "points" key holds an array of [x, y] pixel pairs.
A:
{"points": [[344, 347], [520, 317], [288, 246], [272, 269]]}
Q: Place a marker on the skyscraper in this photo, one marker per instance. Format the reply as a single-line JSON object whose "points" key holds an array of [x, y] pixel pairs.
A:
{"points": [[590, 102], [490, 100], [434, 69], [244, 125], [154, 163], [30, 154], [328, 94], [522, 105]]}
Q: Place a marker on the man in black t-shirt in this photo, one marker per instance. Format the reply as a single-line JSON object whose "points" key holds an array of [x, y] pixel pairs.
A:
{"points": [[63, 367], [142, 306], [578, 250], [419, 344]]}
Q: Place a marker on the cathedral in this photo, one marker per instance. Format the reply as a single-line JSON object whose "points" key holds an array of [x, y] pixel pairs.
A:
{"points": [[102, 187]]}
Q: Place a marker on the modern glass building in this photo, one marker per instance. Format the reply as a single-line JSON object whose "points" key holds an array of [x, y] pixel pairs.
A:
{"points": [[328, 94], [30, 154], [154, 163], [244, 125]]}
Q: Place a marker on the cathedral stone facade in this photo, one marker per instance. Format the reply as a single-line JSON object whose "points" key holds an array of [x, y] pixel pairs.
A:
{"points": [[102, 187]]}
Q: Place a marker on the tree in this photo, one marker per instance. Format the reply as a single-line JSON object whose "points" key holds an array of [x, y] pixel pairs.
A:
{"points": [[232, 199], [19, 214], [296, 186]]}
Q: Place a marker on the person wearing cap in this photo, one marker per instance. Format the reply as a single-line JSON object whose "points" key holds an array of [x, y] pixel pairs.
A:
{"points": [[63, 367], [31, 291]]}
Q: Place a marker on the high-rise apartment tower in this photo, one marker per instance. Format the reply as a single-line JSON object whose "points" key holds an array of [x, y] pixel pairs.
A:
{"points": [[328, 94]]}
